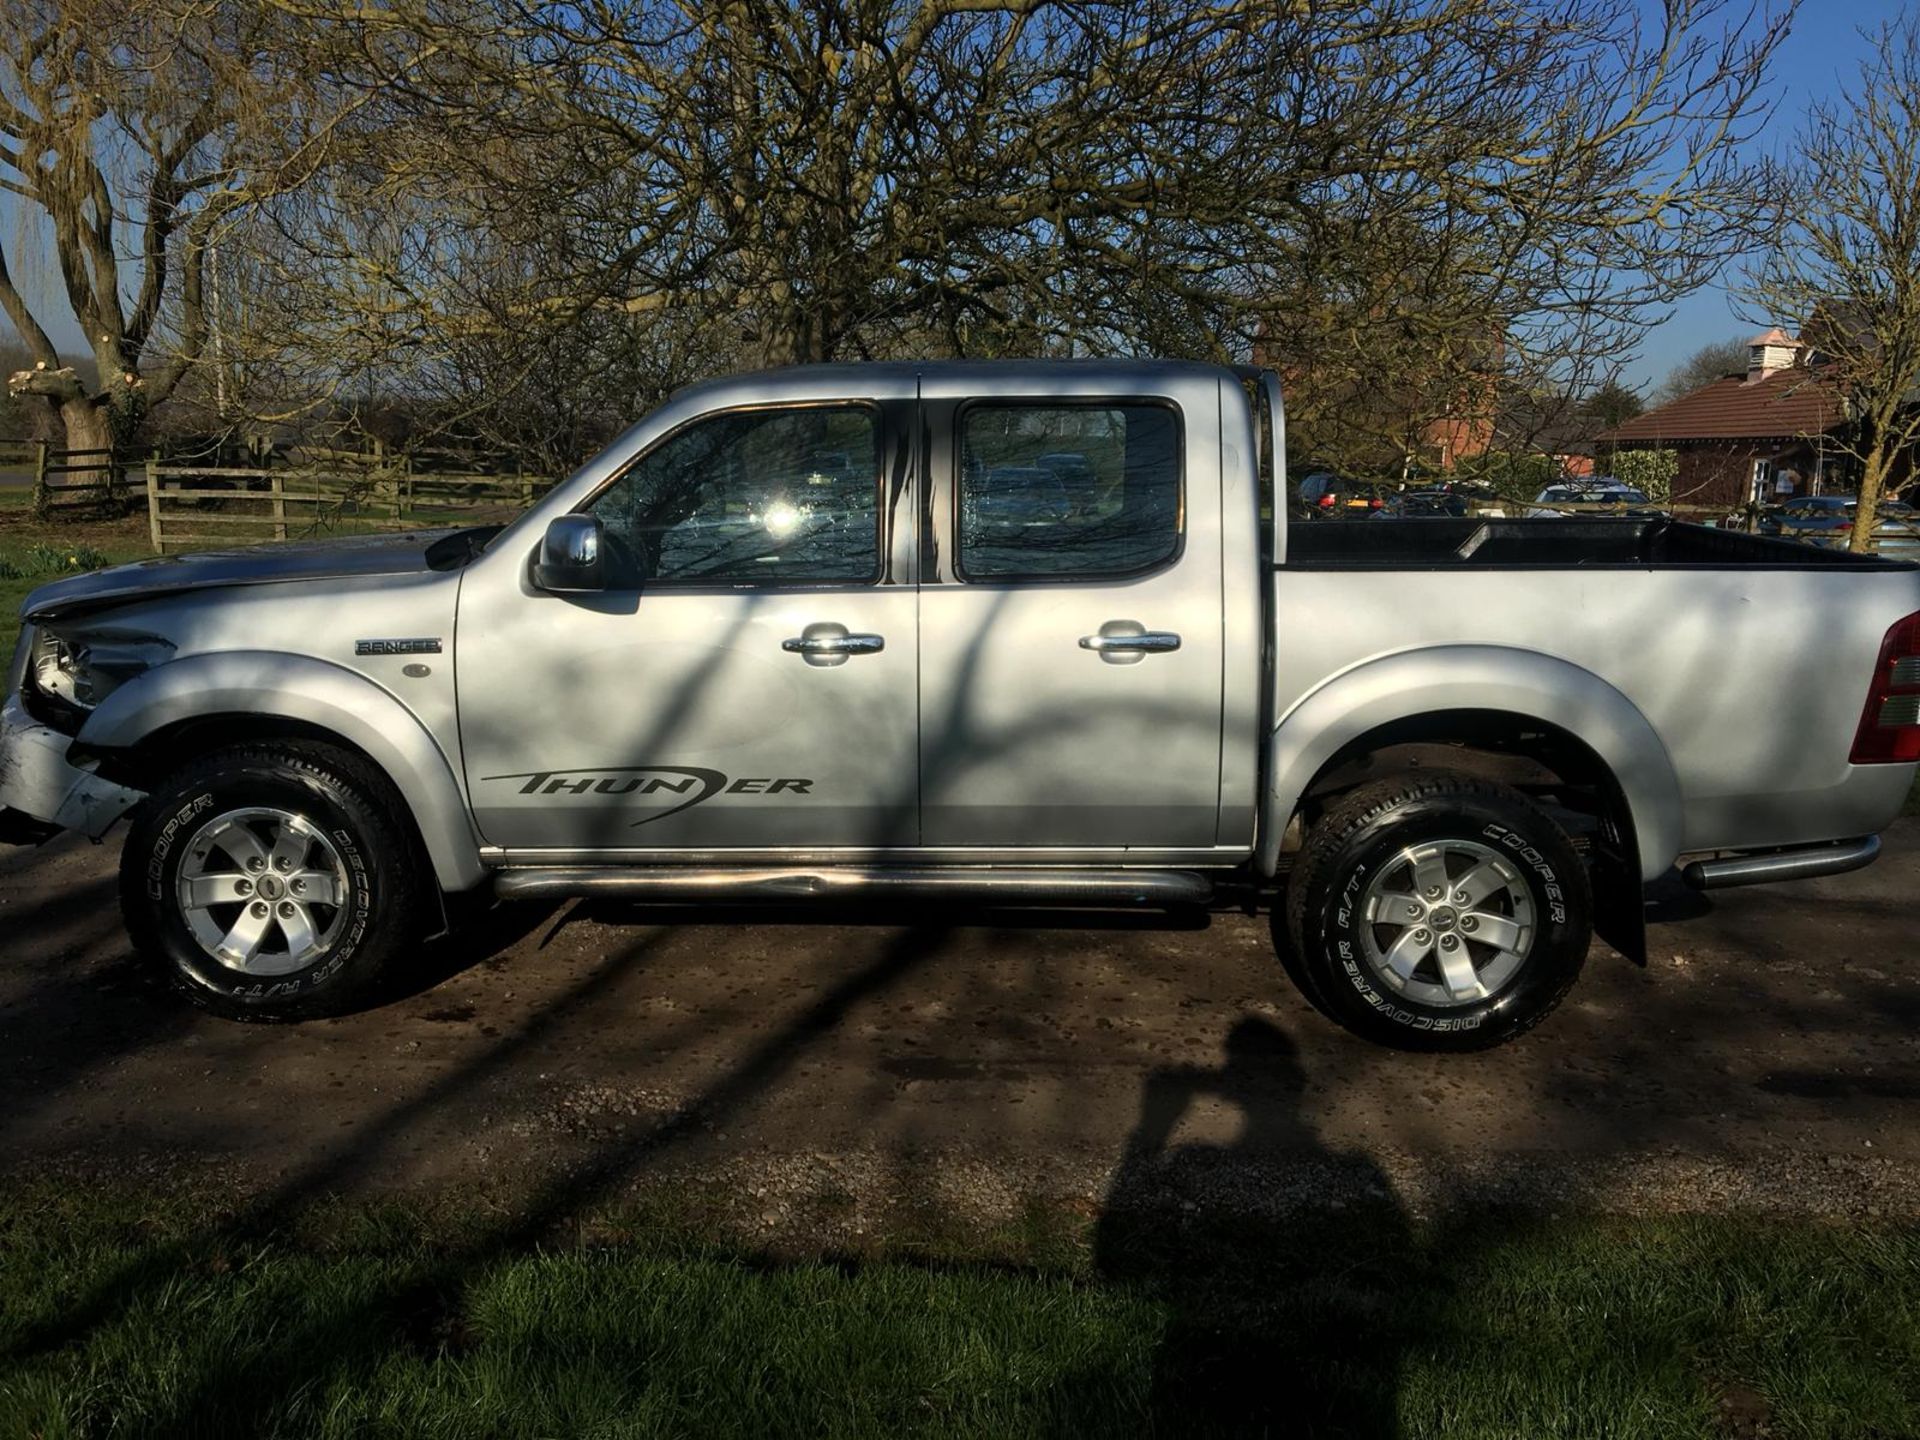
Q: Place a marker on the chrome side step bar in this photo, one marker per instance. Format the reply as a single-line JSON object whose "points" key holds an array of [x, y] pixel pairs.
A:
{"points": [[1804, 864], [1079, 888]]}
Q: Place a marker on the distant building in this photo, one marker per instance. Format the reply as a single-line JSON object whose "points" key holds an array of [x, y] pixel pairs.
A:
{"points": [[1765, 435]]}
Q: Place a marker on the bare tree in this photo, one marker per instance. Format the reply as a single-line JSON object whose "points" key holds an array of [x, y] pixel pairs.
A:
{"points": [[1847, 264], [1705, 365], [133, 130], [1381, 195]]}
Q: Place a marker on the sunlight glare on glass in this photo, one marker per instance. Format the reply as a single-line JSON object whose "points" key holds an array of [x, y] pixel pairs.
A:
{"points": [[782, 519]]}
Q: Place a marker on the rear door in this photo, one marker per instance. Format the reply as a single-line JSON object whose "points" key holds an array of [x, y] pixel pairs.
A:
{"points": [[1071, 618]]}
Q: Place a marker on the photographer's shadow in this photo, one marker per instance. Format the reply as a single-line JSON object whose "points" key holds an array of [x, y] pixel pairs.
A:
{"points": [[1277, 1260]]}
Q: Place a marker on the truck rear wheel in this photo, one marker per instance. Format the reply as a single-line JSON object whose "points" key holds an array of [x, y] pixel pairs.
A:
{"points": [[271, 882], [1437, 912]]}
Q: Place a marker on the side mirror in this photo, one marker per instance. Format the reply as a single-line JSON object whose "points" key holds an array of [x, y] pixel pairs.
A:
{"points": [[572, 556]]}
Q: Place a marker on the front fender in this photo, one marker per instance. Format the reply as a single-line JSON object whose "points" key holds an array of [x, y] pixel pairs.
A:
{"points": [[314, 692], [1517, 682]]}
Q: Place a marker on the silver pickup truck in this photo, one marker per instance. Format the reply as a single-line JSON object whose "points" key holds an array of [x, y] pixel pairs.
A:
{"points": [[1008, 634]]}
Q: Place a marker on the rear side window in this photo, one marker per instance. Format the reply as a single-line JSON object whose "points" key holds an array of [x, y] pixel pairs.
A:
{"points": [[1078, 492], [753, 497]]}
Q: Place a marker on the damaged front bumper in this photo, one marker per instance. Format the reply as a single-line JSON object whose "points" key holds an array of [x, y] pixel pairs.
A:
{"points": [[41, 792]]}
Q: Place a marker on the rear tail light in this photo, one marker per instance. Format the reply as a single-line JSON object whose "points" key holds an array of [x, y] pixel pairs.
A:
{"points": [[1890, 724], [1376, 504], [1326, 501]]}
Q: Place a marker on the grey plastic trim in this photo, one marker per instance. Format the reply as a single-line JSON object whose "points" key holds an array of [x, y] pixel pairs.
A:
{"points": [[781, 885], [255, 683], [1806, 864], [1494, 678]]}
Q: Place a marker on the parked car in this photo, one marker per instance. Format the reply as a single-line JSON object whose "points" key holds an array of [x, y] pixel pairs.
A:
{"points": [[1442, 755], [1582, 497], [1324, 495], [1021, 496], [1809, 518], [1424, 505], [1828, 520]]}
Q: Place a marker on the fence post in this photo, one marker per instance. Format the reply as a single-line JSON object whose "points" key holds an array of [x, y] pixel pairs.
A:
{"points": [[41, 499], [153, 502], [278, 481]]}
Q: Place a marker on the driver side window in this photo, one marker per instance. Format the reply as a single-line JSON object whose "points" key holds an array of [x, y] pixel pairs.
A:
{"points": [[751, 497]]}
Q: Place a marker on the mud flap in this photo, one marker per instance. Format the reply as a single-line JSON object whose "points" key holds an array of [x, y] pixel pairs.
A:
{"points": [[1619, 905]]}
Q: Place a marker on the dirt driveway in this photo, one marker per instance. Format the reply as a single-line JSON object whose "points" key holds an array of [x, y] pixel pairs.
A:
{"points": [[1769, 1056]]}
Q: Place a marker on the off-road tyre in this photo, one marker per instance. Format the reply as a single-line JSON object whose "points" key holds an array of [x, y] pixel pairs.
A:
{"points": [[1363, 832], [358, 818]]}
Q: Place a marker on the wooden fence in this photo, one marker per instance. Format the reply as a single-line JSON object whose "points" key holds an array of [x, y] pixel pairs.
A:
{"points": [[70, 480], [197, 506]]}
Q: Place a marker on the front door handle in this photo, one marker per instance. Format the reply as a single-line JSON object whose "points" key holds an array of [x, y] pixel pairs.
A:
{"points": [[827, 643], [1125, 642], [833, 644]]}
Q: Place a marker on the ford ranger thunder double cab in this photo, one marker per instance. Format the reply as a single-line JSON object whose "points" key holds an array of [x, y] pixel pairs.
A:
{"points": [[983, 633]]}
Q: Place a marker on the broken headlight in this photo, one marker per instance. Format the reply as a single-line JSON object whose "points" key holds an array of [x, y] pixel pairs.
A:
{"points": [[67, 675]]}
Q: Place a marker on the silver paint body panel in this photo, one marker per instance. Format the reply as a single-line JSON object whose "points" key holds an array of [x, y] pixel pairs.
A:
{"points": [[1723, 699]]}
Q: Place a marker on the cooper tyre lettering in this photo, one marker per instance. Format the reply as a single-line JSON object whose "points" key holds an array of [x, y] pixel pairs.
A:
{"points": [[312, 949], [1479, 953]]}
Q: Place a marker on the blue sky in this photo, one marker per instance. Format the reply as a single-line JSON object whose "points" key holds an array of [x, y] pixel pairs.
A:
{"points": [[1822, 53]]}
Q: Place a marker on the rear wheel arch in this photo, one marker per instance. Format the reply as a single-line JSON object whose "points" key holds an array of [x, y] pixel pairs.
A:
{"points": [[1530, 754], [1478, 700], [1520, 750]]}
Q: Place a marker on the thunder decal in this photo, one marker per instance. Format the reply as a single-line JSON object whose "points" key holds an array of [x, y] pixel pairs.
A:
{"points": [[616, 780]]}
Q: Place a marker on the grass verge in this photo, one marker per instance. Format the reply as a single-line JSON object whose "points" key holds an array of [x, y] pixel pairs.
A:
{"points": [[126, 1314], [34, 551]]}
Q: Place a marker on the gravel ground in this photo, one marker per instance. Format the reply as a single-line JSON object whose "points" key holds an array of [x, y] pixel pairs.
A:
{"points": [[823, 1078]]}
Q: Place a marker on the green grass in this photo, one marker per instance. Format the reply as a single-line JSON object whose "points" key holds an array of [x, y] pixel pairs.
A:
{"points": [[31, 556], [120, 1314]]}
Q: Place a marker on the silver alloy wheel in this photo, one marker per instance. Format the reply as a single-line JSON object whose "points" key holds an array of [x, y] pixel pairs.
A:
{"points": [[1447, 922], [263, 890]]}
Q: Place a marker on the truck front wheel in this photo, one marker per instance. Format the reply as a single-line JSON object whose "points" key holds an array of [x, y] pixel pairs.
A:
{"points": [[271, 882], [1437, 912]]}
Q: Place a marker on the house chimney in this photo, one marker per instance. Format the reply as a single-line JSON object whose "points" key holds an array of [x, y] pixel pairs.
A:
{"points": [[1775, 350]]}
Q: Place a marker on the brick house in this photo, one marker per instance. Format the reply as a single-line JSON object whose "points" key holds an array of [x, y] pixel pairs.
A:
{"points": [[1763, 435]]}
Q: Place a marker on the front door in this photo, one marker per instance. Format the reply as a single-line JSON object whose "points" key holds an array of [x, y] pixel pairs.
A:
{"points": [[1070, 622], [746, 681]]}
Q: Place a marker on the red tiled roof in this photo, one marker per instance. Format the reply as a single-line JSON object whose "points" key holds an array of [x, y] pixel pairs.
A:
{"points": [[1782, 403]]}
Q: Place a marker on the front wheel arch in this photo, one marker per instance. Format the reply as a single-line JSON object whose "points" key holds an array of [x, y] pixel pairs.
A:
{"points": [[245, 694]]}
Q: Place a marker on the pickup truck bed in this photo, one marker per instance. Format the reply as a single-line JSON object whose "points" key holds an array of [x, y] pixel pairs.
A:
{"points": [[1582, 543]]}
